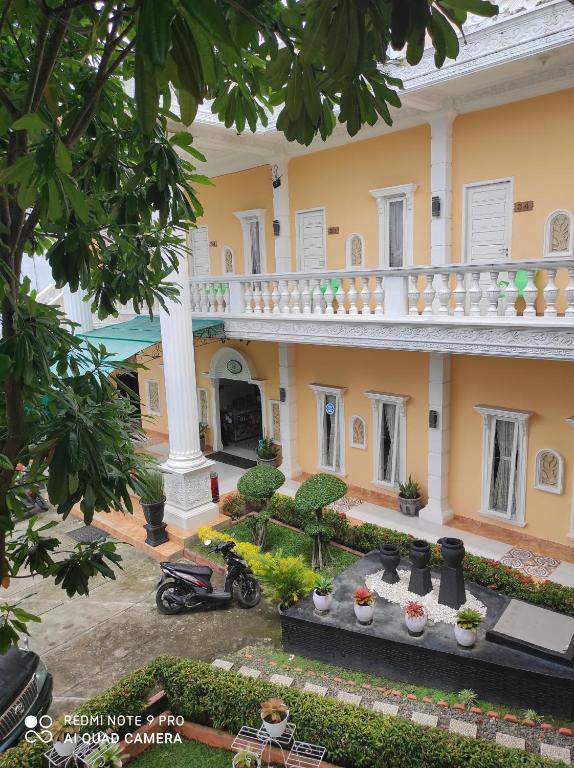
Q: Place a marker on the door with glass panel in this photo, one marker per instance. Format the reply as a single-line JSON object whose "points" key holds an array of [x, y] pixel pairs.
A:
{"points": [[311, 240], [330, 433], [199, 250]]}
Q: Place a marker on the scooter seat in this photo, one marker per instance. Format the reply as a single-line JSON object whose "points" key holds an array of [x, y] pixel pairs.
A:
{"points": [[197, 570]]}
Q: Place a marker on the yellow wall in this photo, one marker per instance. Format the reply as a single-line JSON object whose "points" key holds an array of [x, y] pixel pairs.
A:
{"points": [[532, 141], [544, 387], [339, 180], [401, 373], [237, 192], [153, 371]]}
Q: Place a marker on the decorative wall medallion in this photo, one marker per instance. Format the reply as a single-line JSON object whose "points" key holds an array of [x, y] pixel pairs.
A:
{"points": [[234, 367], [549, 471]]}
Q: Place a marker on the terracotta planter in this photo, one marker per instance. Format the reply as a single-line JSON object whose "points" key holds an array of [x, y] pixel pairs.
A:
{"points": [[416, 624], [410, 507], [364, 613], [465, 637], [276, 730], [322, 603]]}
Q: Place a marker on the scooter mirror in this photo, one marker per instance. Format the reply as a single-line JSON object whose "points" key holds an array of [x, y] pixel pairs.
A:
{"points": [[207, 542]]}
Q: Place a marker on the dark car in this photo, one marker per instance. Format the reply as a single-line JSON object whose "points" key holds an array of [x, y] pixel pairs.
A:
{"points": [[25, 689]]}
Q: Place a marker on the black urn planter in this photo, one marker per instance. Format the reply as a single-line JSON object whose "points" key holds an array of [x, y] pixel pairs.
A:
{"points": [[452, 591], [420, 582], [155, 527], [390, 558]]}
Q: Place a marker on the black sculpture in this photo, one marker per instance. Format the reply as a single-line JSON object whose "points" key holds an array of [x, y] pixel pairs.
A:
{"points": [[420, 582], [452, 591], [390, 558]]}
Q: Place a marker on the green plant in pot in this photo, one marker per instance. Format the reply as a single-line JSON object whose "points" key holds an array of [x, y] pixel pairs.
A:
{"points": [[285, 579], [266, 452], [246, 759], [152, 499], [260, 483], [274, 714], [467, 625], [312, 496], [323, 593], [110, 757], [64, 737], [410, 497]]}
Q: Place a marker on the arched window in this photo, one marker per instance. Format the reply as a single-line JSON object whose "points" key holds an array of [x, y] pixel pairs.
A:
{"points": [[358, 436], [355, 251], [227, 261], [549, 471], [559, 234]]}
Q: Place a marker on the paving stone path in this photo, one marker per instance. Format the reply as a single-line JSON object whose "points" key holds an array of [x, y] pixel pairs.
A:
{"points": [[549, 744]]}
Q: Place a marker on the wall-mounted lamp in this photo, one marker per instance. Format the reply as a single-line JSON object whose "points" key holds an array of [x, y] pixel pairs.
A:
{"points": [[435, 207], [276, 227], [276, 179]]}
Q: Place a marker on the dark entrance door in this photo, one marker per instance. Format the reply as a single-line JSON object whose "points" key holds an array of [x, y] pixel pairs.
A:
{"points": [[130, 388], [240, 412]]}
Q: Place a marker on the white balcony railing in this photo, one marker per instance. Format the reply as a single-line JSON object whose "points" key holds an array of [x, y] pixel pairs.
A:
{"points": [[522, 290]]}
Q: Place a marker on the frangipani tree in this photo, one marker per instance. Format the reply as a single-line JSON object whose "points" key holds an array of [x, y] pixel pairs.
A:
{"points": [[316, 493]]}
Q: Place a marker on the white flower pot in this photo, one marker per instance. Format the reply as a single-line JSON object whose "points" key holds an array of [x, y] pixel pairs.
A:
{"points": [[65, 748], [276, 730], [364, 613], [465, 637], [322, 602], [416, 624]]}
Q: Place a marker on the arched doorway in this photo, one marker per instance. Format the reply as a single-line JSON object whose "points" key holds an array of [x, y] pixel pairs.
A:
{"points": [[239, 403]]}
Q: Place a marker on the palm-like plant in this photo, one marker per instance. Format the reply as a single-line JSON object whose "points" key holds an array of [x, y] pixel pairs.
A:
{"points": [[286, 579]]}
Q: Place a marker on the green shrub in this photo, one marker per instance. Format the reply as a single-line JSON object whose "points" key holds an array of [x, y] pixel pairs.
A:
{"points": [[285, 579], [234, 506], [260, 482], [283, 509], [150, 487], [266, 449], [318, 491]]}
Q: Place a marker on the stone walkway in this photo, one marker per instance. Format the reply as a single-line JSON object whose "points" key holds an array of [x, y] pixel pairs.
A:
{"points": [[473, 723]]}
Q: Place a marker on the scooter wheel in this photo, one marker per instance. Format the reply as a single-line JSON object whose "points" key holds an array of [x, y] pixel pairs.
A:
{"points": [[163, 604], [248, 592]]}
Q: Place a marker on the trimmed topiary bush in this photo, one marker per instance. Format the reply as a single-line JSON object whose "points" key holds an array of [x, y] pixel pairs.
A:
{"points": [[260, 483], [312, 496]]}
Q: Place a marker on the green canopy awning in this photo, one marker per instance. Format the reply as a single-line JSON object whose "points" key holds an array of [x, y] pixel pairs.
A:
{"points": [[122, 340]]}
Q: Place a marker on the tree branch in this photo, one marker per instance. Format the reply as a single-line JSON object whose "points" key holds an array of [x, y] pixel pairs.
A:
{"points": [[8, 103], [5, 13]]}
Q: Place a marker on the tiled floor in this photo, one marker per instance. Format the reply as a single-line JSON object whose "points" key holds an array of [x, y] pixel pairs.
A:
{"points": [[530, 563]]}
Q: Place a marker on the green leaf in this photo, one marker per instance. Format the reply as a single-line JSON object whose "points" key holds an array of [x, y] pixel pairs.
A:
{"points": [[187, 107], [450, 38], [19, 171], [5, 462], [146, 91], [76, 197], [154, 29], [63, 159], [479, 7], [210, 18], [30, 122]]}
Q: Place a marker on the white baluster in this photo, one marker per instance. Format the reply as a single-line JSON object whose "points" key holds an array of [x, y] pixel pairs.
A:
{"points": [[444, 293], [352, 296], [212, 299], [284, 301], [378, 295], [248, 297], [413, 294], [530, 293], [365, 297], [317, 297], [511, 292], [257, 297], [475, 293], [306, 297], [203, 301], [459, 294], [275, 297], [570, 294], [550, 294], [492, 293], [195, 306], [227, 305], [341, 297], [295, 297], [428, 295], [328, 295], [266, 296]]}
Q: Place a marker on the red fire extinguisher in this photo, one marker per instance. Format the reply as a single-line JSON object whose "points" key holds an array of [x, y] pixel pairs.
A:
{"points": [[214, 487]]}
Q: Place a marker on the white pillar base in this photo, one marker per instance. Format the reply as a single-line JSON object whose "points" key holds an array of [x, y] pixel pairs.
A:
{"points": [[188, 497], [436, 512]]}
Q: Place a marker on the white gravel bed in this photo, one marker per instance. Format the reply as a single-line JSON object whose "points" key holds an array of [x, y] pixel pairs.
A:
{"points": [[399, 593]]}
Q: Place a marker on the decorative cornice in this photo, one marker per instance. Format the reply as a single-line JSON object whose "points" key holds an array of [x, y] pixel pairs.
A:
{"points": [[463, 338], [511, 414]]}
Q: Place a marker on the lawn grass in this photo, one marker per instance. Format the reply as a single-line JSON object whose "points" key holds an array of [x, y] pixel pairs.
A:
{"points": [[184, 755]]}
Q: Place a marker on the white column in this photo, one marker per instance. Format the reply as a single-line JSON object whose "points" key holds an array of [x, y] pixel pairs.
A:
{"points": [[78, 310], [187, 470], [437, 509], [441, 186], [281, 213], [288, 411]]}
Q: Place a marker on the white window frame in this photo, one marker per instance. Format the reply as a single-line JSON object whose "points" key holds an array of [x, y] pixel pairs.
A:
{"points": [[352, 443], [298, 214], [377, 400], [465, 256], [538, 484], [348, 254], [548, 235], [490, 415], [271, 403], [200, 391], [191, 265], [148, 407], [223, 250], [245, 219], [321, 391], [384, 196]]}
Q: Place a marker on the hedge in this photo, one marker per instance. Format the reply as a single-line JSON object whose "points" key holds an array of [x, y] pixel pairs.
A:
{"points": [[480, 570]]}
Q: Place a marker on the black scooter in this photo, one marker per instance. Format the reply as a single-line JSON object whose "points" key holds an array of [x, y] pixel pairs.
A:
{"points": [[186, 585]]}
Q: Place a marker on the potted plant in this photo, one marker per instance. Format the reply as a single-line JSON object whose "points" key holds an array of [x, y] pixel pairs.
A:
{"points": [[285, 579], [152, 496], [202, 432], [410, 497], [111, 757], [274, 714], [415, 618], [64, 738], [364, 605], [266, 452], [466, 628], [323, 593], [246, 759]]}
